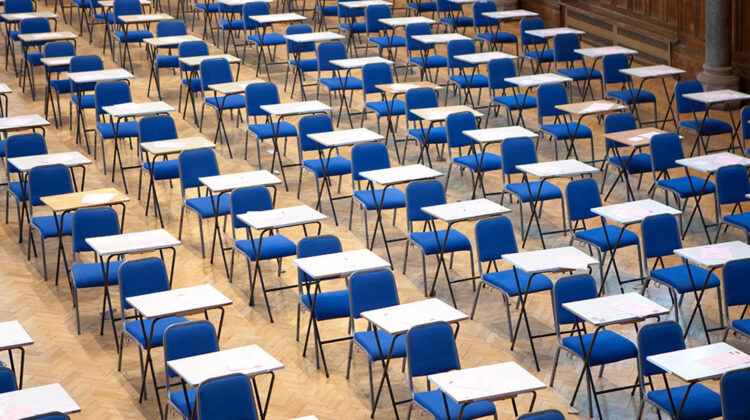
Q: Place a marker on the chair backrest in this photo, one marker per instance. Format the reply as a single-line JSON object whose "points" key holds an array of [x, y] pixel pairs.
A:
{"points": [[745, 125], [294, 47], [311, 246], [111, 93], [258, 94], [660, 236], [530, 24], [494, 238], [59, 49], [373, 14], [194, 164], [613, 123], [734, 386], [455, 125], [243, 200], [19, 6], [444, 6], [226, 397], [369, 157], [570, 289], [422, 194], [126, 7], [374, 74], [91, 223], [171, 28], [50, 416], [498, 70], [419, 98], [459, 47], [188, 339], [156, 127], [581, 196], [34, 25], [611, 66], [542, 415], [141, 277], [564, 48], [517, 152], [370, 290], [81, 63], [666, 149], [215, 70], [312, 124], [548, 97], [735, 286], [685, 105], [253, 8], [657, 338], [7, 380], [48, 180], [480, 20], [191, 49], [327, 51], [19, 145], [430, 349], [732, 184], [416, 29]]}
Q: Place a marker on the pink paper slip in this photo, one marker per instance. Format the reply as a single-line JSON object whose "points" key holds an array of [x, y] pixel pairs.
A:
{"points": [[716, 253], [573, 262], [718, 96], [12, 411], [242, 364], [726, 360], [632, 212], [727, 160], [634, 308]]}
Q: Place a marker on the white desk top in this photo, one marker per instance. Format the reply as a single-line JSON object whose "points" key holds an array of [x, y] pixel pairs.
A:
{"points": [[145, 18], [552, 32], [712, 163], [539, 80], [228, 182], [135, 109], [198, 59], [484, 57], [12, 335], [550, 260], [4, 89], [715, 255], [633, 211], [278, 18], [398, 319], [84, 199], [361, 4], [99, 76], [648, 72], [21, 122], [439, 38], [346, 137], [557, 169], [498, 134], [466, 210], [591, 107], [47, 36], [296, 108], [248, 360], [129, 243], [597, 52], [166, 147], [17, 17], [440, 113], [403, 21], [234, 88], [167, 41], [510, 14], [358, 63], [281, 218], [29, 402], [615, 309], [486, 383], [111, 3], [237, 3], [314, 37], [176, 302], [69, 159], [717, 96], [692, 365], [340, 264], [400, 174], [56, 61]]}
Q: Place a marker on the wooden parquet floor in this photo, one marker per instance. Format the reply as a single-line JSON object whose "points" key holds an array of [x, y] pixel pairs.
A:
{"points": [[86, 364]]}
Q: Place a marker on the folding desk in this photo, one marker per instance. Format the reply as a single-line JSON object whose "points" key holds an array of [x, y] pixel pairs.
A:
{"points": [[582, 110], [43, 399], [654, 72], [14, 337]]}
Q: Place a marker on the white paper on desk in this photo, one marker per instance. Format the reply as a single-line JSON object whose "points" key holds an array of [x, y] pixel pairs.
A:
{"points": [[725, 360], [12, 411], [636, 138], [634, 308], [59, 158], [609, 50], [650, 134], [189, 298], [653, 72], [243, 363], [719, 95], [727, 160], [403, 87], [412, 317], [573, 262], [543, 78], [171, 145], [97, 198], [475, 382], [548, 170], [632, 212], [17, 121], [597, 107], [716, 253]]}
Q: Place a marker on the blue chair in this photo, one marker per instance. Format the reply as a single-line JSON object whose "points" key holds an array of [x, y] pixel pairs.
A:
{"points": [[91, 223], [451, 16], [419, 7], [136, 278], [209, 10], [370, 157], [484, 28], [548, 97], [422, 135], [156, 128], [736, 293], [638, 164], [327, 304], [255, 36], [15, 6], [257, 95], [19, 145], [423, 194], [348, 24], [424, 61], [226, 397], [30, 59], [215, 71], [108, 94], [661, 236], [694, 123], [295, 62], [734, 404], [369, 291], [745, 129], [498, 71], [463, 75], [228, 25], [321, 12], [542, 415], [188, 79], [50, 416], [382, 40], [581, 196], [192, 165], [338, 82], [125, 38], [272, 247], [494, 238], [534, 48], [732, 186], [82, 96], [7, 380], [180, 341], [567, 63], [167, 57], [379, 74], [60, 86], [463, 153], [608, 346], [627, 95], [99, 16], [698, 402], [44, 181], [431, 349], [519, 152]]}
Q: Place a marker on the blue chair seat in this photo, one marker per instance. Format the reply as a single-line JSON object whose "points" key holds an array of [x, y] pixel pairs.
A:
{"points": [[110, 18], [14, 34], [628, 96], [381, 108], [581, 73], [334, 83], [355, 28], [208, 7], [87, 101], [366, 340], [34, 58], [267, 39], [742, 325], [701, 404], [521, 190], [306, 65], [711, 127], [167, 61], [467, 81], [639, 163], [60, 86], [204, 205], [265, 131], [226, 102], [437, 134], [135, 330], [514, 102], [329, 305], [133, 36], [545, 56], [457, 241], [15, 189], [598, 237], [194, 83], [386, 41], [741, 220], [457, 22], [609, 347], [274, 246], [490, 161], [499, 38], [90, 274], [337, 165], [394, 198], [679, 278], [564, 131], [178, 399], [685, 187], [506, 281], [433, 402], [47, 226], [164, 169], [232, 24], [433, 61], [124, 130], [425, 6]]}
